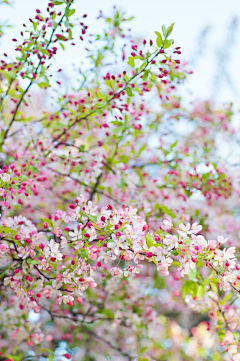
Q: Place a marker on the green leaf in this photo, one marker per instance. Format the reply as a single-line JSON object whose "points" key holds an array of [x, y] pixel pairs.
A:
{"points": [[72, 11], [141, 150], [131, 62], [8, 230], [194, 289], [124, 159], [143, 65], [92, 218], [43, 85], [214, 287], [109, 313], [157, 33], [45, 51], [32, 261], [167, 44], [168, 211], [129, 92], [159, 41], [145, 76], [144, 348], [117, 122], [84, 254], [169, 30], [164, 30], [109, 358], [227, 297], [34, 25], [149, 240], [48, 221], [67, 12], [193, 275], [186, 288], [69, 33], [130, 19], [122, 183], [14, 351], [200, 292], [174, 144]]}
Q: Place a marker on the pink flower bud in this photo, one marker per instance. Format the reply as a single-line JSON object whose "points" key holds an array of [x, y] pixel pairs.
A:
{"points": [[149, 254]]}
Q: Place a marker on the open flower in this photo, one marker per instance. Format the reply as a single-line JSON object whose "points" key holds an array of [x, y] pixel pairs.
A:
{"points": [[184, 230], [65, 299], [117, 243], [171, 241], [5, 177], [115, 271], [106, 256], [76, 234], [53, 250], [52, 291], [167, 224]]}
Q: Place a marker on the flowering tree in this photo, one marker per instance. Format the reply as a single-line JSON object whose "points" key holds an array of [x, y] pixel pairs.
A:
{"points": [[119, 220]]}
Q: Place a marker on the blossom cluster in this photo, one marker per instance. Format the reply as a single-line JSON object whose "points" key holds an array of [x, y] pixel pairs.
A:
{"points": [[114, 201]]}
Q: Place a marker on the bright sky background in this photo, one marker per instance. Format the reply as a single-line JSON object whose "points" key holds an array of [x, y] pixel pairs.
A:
{"points": [[190, 17]]}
